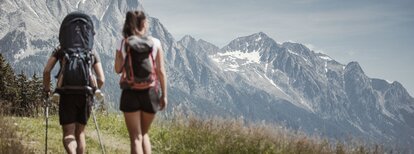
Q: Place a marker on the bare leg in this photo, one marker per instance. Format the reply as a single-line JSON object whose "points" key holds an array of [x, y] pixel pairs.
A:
{"points": [[80, 138], [133, 123], [146, 120], [69, 141]]}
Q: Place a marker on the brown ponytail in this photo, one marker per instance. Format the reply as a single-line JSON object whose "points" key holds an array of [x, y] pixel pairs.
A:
{"points": [[134, 22]]}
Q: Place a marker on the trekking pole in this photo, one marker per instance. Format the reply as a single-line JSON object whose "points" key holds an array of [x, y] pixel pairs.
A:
{"points": [[46, 101], [97, 131], [97, 128]]}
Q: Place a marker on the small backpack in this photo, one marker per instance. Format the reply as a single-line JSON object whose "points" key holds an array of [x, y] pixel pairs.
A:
{"points": [[76, 37], [138, 70]]}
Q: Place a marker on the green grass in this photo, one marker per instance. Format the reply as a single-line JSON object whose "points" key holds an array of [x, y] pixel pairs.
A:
{"points": [[228, 136], [31, 132], [10, 142], [177, 134]]}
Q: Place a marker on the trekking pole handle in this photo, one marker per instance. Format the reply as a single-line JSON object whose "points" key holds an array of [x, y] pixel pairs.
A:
{"points": [[46, 98], [99, 96]]}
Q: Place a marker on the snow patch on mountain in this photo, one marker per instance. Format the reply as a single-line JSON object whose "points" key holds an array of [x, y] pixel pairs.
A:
{"points": [[273, 83], [77, 4], [103, 14], [294, 53], [258, 39], [230, 60], [19, 54], [326, 58], [31, 9], [306, 105]]}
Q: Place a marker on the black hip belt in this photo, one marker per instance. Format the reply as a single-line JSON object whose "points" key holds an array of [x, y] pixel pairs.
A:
{"points": [[75, 90]]}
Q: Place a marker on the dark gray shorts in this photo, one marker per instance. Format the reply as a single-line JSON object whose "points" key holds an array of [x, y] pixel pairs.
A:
{"points": [[74, 108], [140, 100]]}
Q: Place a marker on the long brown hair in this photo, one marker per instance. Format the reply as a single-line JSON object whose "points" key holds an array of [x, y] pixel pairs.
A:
{"points": [[134, 22]]}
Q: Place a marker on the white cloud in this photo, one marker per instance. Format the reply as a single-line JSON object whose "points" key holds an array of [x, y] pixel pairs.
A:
{"points": [[310, 46], [314, 48]]}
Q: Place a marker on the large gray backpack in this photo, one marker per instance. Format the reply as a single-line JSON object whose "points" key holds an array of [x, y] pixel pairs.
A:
{"points": [[139, 65]]}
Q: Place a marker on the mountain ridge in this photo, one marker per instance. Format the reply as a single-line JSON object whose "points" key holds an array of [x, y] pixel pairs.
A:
{"points": [[253, 76]]}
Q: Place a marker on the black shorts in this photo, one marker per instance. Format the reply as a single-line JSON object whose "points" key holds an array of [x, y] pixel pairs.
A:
{"points": [[74, 108], [140, 100]]}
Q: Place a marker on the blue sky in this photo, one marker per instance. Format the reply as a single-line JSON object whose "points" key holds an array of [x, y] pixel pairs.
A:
{"points": [[379, 34]]}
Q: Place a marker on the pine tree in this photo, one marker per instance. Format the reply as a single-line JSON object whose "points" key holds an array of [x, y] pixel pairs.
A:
{"points": [[21, 104], [19, 95], [8, 86], [2, 83], [10, 83], [3, 103], [35, 94], [31, 96]]}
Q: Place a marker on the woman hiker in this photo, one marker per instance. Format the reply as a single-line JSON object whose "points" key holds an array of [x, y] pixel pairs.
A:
{"points": [[140, 62]]}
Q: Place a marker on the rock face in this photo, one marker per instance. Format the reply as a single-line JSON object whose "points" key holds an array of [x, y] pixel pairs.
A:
{"points": [[252, 77]]}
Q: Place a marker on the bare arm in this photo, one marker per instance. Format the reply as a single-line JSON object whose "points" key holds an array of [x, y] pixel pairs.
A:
{"points": [[162, 77], [99, 74], [119, 60], [46, 73]]}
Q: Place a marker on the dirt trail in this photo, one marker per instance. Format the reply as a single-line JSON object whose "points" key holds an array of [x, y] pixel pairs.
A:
{"points": [[109, 141]]}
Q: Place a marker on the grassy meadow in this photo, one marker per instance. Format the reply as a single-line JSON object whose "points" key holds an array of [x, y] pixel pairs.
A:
{"points": [[176, 134]]}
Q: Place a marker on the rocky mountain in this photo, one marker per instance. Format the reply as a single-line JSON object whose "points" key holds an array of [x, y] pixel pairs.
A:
{"points": [[253, 77]]}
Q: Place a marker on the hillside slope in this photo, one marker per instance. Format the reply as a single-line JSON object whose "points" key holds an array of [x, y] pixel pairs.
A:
{"points": [[177, 135]]}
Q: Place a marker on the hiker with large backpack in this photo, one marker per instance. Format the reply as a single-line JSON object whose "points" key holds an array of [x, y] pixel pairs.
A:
{"points": [[140, 62], [76, 82]]}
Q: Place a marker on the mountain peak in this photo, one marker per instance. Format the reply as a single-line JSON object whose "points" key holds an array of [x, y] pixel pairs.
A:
{"points": [[398, 86], [257, 37], [353, 67], [396, 83], [260, 35], [187, 40], [208, 45], [251, 43]]}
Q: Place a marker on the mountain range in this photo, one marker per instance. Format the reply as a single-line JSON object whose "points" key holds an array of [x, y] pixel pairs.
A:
{"points": [[253, 77]]}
